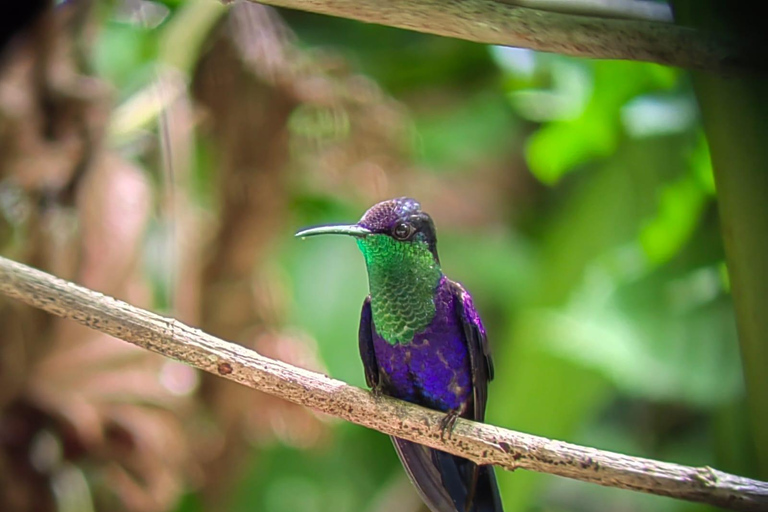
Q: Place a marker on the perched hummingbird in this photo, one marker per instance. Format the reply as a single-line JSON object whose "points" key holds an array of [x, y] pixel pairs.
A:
{"points": [[421, 340]]}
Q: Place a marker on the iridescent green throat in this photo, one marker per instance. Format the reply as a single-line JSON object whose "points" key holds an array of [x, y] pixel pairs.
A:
{"points": [[402, 277]]}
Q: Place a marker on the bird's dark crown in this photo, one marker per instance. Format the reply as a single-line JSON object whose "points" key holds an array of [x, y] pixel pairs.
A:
{"points": [[403, 220]]}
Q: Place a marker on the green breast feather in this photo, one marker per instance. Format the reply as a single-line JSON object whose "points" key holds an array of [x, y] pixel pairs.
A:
{"points": [[403, 277]]}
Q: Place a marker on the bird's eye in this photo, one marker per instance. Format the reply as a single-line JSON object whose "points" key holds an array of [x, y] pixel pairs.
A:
{"points": [[403, 231]]}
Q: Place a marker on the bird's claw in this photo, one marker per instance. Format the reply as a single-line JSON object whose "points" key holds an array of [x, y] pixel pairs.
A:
{"points": [[447, 423]]}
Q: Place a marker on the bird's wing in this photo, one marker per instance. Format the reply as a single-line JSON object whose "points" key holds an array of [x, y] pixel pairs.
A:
{"points": [[365, 338], [482, 489], [480, 359]]}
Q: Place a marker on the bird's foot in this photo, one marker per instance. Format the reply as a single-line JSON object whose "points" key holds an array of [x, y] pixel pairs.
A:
{"points": [[447, 424], [377, 391]]}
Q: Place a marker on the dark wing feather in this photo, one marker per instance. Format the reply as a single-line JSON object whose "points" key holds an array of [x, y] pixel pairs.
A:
{"points": [[487, 496], [480, 359], [433, 473], [365, 338], [482, 489], [441, 479]]}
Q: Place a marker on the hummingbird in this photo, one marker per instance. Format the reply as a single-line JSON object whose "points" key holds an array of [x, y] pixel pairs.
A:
{"points": [[421, 340]]}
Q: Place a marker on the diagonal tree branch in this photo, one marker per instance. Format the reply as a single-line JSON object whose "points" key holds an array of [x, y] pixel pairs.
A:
{"points": [[485, 444], [509, 23]]}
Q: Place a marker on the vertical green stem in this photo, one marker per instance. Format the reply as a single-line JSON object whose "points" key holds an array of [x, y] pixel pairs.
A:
{"points": [[735, 113], [736, 121]]}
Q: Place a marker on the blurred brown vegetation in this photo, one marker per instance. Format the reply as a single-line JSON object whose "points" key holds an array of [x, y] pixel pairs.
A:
{"points": [[77, 406]]}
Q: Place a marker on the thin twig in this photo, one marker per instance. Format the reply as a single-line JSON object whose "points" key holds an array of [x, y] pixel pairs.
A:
{"points": [[504, 22], [485, 444]]}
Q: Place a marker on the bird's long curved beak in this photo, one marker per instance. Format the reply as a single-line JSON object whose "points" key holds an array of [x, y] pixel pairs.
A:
{"points": [[342, 229]]}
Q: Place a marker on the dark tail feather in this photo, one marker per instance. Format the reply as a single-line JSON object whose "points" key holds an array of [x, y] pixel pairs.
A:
{"points": [[444, 481], [418, 463], [487, 497]]}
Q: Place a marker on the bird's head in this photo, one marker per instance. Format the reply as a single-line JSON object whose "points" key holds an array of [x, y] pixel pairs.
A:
{"points": [[394, 231]]}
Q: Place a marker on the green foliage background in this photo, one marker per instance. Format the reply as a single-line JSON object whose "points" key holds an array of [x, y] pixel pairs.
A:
{"points": [[601, 281]]}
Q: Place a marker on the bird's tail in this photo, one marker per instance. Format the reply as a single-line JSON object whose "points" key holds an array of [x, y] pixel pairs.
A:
{"points": [[448, 483]]}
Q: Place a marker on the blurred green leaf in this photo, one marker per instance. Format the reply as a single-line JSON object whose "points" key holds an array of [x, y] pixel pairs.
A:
{"points": [[557, 89], [561, 146], [663, 343], [680, 207], [123, 55]]}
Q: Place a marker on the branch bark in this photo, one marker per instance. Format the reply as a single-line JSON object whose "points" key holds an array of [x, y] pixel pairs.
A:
{"points": [[506, 23], [625, 9], [484, 444]]}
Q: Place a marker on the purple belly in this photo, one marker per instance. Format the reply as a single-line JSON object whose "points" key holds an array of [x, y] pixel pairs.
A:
{"points": [[433, 370]]}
